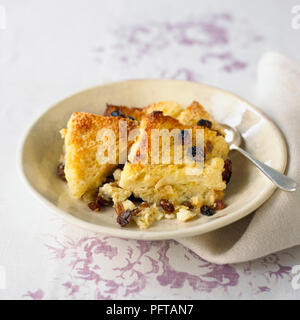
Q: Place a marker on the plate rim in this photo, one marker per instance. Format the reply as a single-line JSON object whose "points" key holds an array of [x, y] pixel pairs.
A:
{"points": [[148, 234]]}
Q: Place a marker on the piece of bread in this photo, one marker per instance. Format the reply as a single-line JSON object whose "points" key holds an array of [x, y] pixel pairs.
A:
{"points": [[175, 182], [83, 171], [169, 108], [133, 113], [195, 112]]}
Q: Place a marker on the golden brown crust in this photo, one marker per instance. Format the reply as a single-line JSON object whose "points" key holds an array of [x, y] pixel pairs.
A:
{"points": [[195, 112], [157, 120], [135, 113], [83, 172], [86, 125], [168, 108]]}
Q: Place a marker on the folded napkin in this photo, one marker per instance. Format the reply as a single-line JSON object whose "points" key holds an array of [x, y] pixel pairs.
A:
{"points": [[276, 224]]}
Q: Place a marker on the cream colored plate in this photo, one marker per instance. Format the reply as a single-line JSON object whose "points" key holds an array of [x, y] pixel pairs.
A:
{"points": [[247, 190]]}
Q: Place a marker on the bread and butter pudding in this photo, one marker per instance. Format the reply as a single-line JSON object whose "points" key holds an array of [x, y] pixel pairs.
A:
{"points": [[82, 170], [145, 187]]}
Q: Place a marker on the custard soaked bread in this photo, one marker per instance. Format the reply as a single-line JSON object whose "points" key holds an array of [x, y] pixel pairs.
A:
{"points": [[176, 183], [83, 171]]}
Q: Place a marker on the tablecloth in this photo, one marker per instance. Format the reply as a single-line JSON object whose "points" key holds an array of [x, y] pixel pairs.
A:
{"points": [[51, 49]]}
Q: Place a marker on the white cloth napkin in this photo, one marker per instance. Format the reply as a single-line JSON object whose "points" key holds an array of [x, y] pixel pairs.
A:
{"points": [[276, 224]]}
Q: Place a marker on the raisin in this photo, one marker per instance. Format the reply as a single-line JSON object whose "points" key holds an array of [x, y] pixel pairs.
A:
{"points": [[60, 171], [119, 208], [219, 205], [196, 153], [207, 211], [144, 205], [124, 218], [117, 113], [141, 207], [157, 113], [94, 206], [204, 123], [188, 204], [226, 175], [167, 206], [103, 202], [135, 211]]}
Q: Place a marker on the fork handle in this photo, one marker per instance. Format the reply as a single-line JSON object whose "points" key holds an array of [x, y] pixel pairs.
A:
{"points": [[280, 180]]}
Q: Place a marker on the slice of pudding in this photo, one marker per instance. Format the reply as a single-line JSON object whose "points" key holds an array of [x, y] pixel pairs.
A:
{"points": [[83, 142], [175, 182]]}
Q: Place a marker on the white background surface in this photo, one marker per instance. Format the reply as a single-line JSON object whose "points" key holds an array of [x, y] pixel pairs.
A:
{"points": [[51, 49]]}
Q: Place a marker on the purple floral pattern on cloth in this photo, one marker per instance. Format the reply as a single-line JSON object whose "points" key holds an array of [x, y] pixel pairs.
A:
{"points": [[206, 40], [100, 267], [36, 295]]}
